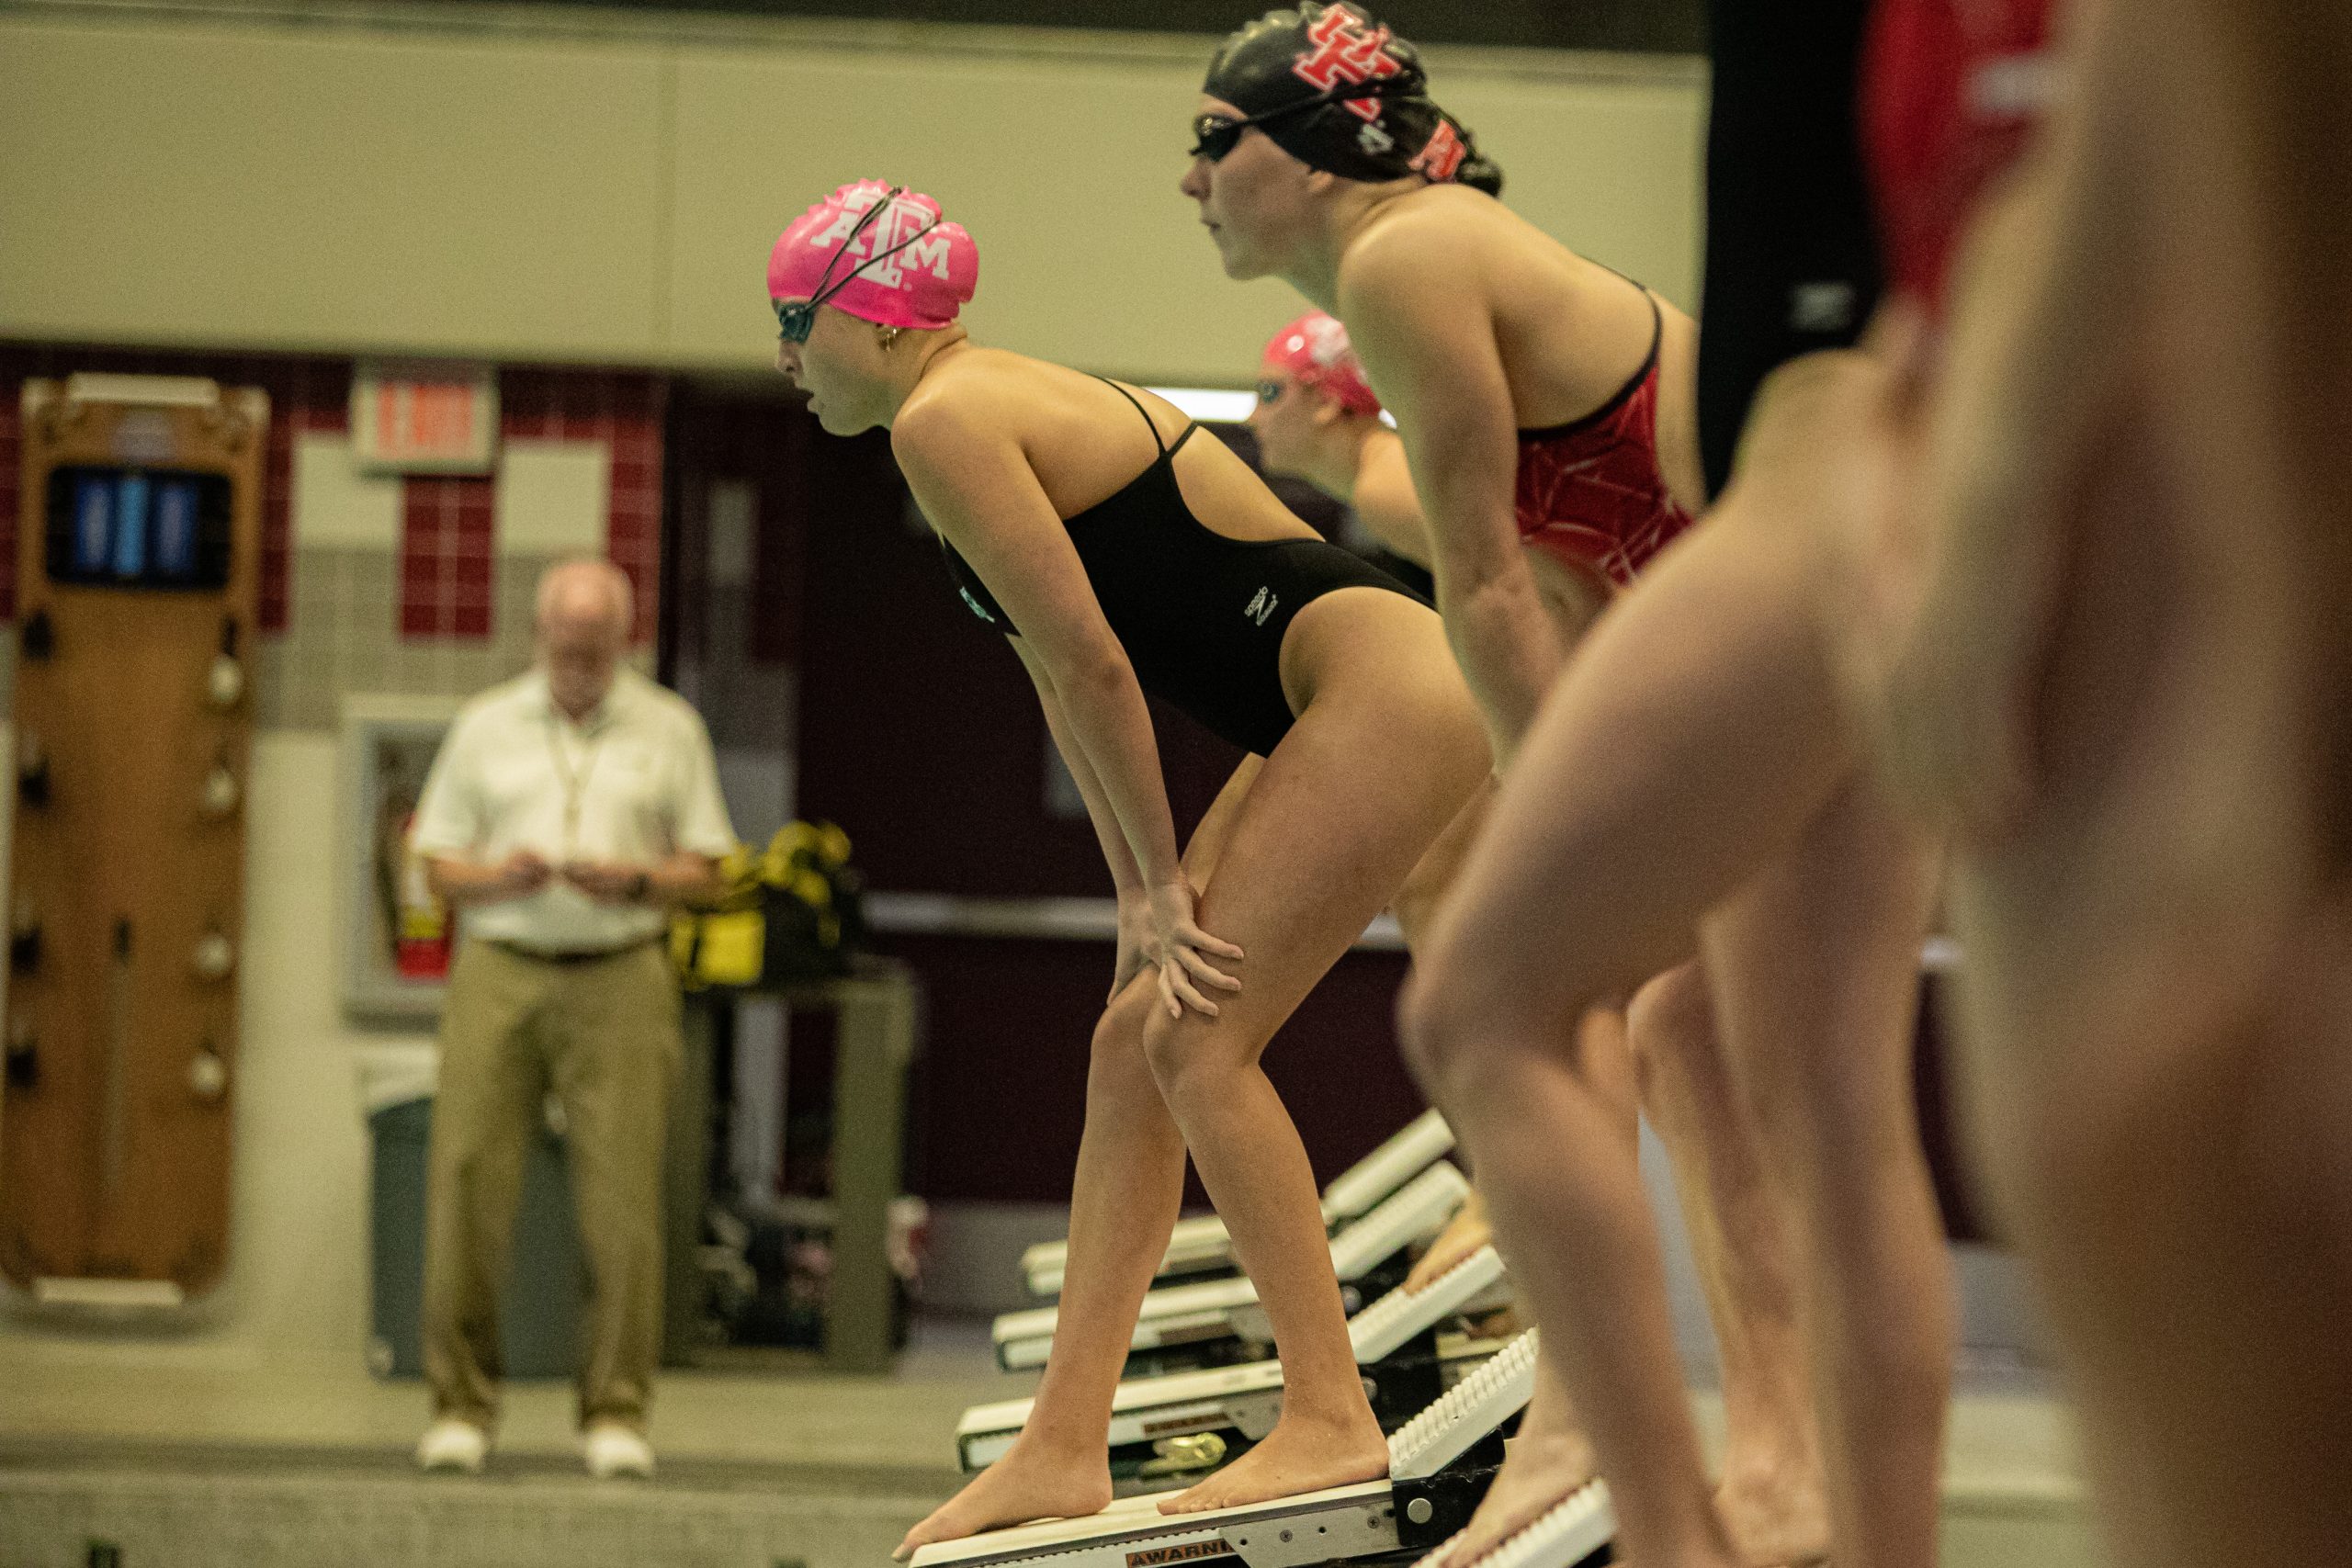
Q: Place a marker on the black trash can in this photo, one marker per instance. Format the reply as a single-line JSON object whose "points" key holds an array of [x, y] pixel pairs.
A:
{"points": [[546, 1281]]}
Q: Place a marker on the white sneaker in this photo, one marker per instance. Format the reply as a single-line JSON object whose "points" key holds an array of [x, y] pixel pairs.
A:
{"points": [[612, 1449], [453, 1444]]}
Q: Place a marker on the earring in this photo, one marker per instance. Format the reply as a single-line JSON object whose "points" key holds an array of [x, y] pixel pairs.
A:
{"points": [[889, 336]]}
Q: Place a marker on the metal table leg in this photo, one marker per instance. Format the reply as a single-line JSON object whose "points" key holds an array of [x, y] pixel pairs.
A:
{"points": [[877, 1024], [686, 1167]]}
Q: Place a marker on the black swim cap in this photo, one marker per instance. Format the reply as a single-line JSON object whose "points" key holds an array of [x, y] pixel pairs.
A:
{"points": [[1291, 71]]}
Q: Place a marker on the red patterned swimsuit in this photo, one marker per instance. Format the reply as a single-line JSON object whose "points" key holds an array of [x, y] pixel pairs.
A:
{"points": [[1590, 492], [1952, 94]]}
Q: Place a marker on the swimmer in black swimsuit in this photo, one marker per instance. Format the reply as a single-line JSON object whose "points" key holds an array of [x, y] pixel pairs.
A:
{"points": [[1128, 557], [1170, 587]]}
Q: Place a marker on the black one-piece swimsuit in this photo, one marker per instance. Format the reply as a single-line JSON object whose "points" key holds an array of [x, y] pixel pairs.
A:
{"points": [[1201, 615]]}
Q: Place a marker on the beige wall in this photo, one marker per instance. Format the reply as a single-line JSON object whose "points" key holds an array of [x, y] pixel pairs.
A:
{"points": [[252, 186], [597, 191], [299, 1270]]}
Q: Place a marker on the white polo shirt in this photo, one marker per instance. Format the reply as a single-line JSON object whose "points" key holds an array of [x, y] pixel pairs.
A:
{"points": [[634, 783]]}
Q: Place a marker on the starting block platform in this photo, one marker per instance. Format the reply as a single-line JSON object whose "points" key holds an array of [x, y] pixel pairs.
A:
{"points": [[1439, 1465], [1190, 1322], [1172, 1430], [1202, 1246]]}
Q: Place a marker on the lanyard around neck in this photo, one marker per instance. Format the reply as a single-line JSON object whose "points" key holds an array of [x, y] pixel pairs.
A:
{"points": [[575, 780]]}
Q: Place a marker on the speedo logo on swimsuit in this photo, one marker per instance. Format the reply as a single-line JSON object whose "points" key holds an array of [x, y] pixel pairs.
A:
{"points": [[1345, 52], [1263, 606], [1195, 1552]]}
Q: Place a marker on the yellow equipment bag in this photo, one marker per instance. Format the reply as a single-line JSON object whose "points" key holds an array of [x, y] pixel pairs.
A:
{"points": [[790, 913]]}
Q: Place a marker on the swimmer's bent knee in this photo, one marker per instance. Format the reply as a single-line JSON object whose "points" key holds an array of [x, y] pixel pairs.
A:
{"points": [[1455, 1013], [1192, 1064], [1119, 1033]]}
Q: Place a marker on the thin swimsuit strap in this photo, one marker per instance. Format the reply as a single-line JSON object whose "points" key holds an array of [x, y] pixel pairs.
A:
{"points": [[1658, 327], [1166, 451], [1632, 383], [1658, 317]]}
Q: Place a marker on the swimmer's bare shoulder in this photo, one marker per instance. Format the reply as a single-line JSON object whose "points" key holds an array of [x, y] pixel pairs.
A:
{"points": [[1411, 241], [950, 410], [976, 391]]}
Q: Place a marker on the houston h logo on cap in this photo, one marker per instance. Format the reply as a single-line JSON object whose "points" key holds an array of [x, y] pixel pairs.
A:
{"points": [[1347, 52]]}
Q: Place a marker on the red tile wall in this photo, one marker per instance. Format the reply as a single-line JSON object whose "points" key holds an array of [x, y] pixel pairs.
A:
{"points": [[622, 409], [446, 573]]}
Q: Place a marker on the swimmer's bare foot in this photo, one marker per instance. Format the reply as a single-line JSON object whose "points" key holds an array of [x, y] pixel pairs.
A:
{"points": [[1547, 1460], [1447, 1548], [1464, 1235], [1504, 1322], [1775, 1521], [1303, 1454], [1029, 1482]]}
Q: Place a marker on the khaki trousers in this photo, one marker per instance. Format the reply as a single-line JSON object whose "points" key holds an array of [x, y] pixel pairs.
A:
{"points": [[603, 1035]]}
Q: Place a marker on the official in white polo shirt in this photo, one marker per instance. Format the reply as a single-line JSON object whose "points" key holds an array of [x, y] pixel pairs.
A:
{"points": [[566, 810]]}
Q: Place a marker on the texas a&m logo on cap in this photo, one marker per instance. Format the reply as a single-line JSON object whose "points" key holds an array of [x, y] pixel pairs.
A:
{"points": [[1347, 51], [905, 237]]}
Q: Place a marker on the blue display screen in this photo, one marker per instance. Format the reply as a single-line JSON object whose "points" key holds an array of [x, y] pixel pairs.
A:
{"points": [[139, 527], [130, 527], [93, 524], [174, 531]]}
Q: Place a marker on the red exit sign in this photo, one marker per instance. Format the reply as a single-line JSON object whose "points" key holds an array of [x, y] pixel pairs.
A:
{"points": [[437, 419]]}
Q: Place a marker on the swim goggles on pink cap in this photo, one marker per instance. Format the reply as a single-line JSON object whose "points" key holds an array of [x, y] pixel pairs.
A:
{"points": [[796, 319]]}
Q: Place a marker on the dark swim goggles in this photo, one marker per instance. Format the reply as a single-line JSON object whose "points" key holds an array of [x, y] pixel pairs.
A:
{"points": [[796, 319], [1215, 135]]}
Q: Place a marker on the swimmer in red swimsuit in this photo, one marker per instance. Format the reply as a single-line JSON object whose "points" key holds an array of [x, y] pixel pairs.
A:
{"points": [[1548, 410], [1542, 399], [1700, 767], [1591, 493]]}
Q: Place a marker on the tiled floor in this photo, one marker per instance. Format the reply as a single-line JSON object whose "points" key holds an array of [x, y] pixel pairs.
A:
{"points": [[191, 1458], [86, 1389]]}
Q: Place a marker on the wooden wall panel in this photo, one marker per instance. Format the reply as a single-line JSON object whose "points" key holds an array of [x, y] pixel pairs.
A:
{"points": [[114, 1144]]}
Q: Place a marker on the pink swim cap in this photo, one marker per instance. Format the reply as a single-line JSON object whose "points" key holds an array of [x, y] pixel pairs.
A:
{"points": [[1314, 351], [906, 267]]}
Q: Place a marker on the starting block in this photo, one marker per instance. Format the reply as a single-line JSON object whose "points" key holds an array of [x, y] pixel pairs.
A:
{"points": [[1219, 1319], [1439, 1465], [1170, 1429], [1201, 1246]]}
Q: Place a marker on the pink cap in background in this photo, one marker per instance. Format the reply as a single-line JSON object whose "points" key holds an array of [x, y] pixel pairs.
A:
{"points": [[1314, 351]]}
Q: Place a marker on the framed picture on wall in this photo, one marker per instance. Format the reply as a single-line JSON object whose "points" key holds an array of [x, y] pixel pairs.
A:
{"points": [[396, 937]]}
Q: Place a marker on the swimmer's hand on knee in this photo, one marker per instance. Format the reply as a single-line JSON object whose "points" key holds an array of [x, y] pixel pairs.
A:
{"points": [[1176, 947]]}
